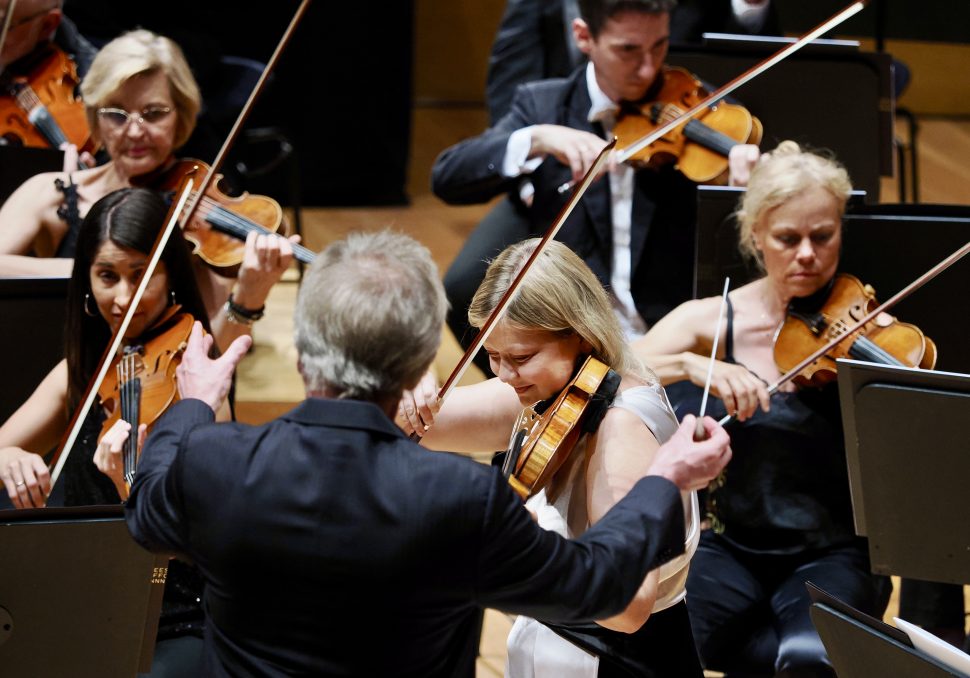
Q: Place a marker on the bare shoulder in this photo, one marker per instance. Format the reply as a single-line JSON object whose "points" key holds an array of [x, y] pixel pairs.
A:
{"points": [[36, 195], [695, 313], [620, 425], [44, 183], [691, 319], [56, 380]]}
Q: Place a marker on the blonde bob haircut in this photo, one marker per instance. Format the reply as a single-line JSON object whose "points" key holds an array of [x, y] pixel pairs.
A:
{"points": [[559, 294], [135, 53], [781, 175]]}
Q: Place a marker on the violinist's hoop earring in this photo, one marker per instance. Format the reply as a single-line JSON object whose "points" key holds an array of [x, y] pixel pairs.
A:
{"points": [[171, 297], [87, 310]]}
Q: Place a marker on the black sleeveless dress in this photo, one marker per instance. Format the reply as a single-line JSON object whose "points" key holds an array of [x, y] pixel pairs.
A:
{"points": [[787, 518], [70, 214]]}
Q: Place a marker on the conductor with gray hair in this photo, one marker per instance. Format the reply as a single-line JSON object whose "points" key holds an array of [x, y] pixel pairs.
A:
{"points": [[368, 318], [330, 543]]}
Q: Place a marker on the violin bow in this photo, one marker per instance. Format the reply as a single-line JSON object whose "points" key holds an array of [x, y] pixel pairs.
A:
{"points": [[80, 415], [700, 432], [499, 310], [244, 112], [625, 154], [7, 20], [862, 322]]}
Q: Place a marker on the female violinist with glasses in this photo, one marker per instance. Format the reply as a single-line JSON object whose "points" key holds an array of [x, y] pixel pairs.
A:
{"points": [[141, 104]]}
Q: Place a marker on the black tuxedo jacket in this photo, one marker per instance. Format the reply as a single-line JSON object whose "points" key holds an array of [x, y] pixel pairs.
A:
{"points": [[333, 545], [664, 202], [535, 40]]}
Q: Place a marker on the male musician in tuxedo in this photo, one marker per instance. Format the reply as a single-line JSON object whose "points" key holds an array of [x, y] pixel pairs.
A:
{"points": [[535, 38], [331, 544], [634, 228]]}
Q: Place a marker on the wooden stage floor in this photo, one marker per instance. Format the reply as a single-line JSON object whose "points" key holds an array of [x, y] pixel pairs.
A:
{"points": [[268, 380]]}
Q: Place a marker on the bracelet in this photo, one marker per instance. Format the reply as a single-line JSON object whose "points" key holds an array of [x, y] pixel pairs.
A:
{"points": [[242, 316]]}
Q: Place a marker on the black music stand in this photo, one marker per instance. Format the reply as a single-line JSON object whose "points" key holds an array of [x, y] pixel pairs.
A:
{"points": [[19, 163], [78, 597], [797, 98], [860, 647], [906, 454]]}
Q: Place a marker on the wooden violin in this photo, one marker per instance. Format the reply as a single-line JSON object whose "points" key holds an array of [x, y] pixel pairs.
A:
{"points": [[883, 339], [141, 384], [543, 444], [38, 106], [699, 148], [704, 105], [218, 228], [526, 468], [845, 335]]}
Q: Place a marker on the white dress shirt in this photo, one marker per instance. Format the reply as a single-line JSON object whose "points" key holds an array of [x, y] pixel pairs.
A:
{"points": [[515, 163]]}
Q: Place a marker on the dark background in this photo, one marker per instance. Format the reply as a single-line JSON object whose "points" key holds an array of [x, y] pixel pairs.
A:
{"points": [[341, 92], [935, 20]]}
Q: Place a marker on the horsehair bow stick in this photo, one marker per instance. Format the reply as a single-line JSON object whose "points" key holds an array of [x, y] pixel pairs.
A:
{"points": [[244, 112], [60, 456], [862, 322], [499, 310], [626, 153], [699, 432]]}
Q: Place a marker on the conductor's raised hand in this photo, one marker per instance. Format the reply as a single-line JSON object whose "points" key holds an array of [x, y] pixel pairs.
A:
{"points": [[203, 378], [689, 464], [572, 147]]}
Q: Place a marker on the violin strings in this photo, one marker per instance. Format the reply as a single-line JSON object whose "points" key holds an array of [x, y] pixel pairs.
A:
{"points": [[240, 225], [27, 98], [123, 398]]}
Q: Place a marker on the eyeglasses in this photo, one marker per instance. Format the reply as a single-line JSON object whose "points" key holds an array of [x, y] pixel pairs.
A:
{"points": [[117, 119]]}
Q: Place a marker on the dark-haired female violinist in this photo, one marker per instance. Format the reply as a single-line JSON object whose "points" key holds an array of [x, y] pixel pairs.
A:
{"points": [[559, 316], [113, 248], [784, 506]]}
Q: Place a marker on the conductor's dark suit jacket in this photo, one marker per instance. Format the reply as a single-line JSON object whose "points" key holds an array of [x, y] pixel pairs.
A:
{"points": [[332, 545], [664, 201]]}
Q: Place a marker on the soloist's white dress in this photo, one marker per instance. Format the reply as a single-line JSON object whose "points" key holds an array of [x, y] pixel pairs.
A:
{"points": [[535, 651]]}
